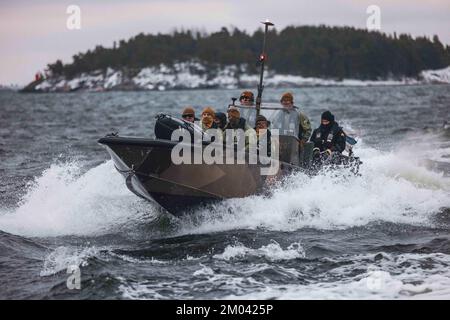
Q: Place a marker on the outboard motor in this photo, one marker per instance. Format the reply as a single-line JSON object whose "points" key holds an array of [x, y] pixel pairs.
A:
{"points": [[166, 124]]}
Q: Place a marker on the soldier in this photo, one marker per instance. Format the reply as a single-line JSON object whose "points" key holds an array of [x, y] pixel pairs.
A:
{"points": [[236, 122], [247, 98], [220, 120], [304, 130], [263, 124], [328, 137], [208, 116], [188, 114]]}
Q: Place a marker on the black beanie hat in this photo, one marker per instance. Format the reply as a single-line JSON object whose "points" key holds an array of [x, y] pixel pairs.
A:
{"points": [[262, 118], [327, 115], [222, 117]]}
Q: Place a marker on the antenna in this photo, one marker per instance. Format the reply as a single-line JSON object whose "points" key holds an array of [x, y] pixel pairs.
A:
{"points": [[262, 60]]}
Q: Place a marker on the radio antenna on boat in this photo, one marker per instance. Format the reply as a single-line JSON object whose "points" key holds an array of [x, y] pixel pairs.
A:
{"points": [[262, 59]]}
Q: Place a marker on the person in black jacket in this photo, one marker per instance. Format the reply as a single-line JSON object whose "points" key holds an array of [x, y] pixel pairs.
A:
{"points": [[221, 120], [263, 124], [329, 137], [235, 121]]}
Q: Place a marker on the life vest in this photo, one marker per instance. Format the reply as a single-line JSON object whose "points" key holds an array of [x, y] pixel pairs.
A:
{"points": [[240, 125], [326, 140]]}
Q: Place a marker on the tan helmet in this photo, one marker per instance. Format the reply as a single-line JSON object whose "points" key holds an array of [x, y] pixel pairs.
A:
{"points": [[189, 111], [210, 111], [287, 96], [247, 94]]}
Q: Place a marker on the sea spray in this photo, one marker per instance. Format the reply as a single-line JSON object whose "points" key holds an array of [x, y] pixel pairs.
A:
{"points": [[390, 188], [65, 201]]}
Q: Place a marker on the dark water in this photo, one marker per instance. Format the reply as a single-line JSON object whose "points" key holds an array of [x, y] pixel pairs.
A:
{"points": [[384, 234]]}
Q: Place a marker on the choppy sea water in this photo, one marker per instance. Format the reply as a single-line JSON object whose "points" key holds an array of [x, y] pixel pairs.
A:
{"points": [[382, 235]]}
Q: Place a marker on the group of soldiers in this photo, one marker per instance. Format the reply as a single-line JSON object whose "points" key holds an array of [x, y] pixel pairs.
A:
{"points": [[329, 138]]}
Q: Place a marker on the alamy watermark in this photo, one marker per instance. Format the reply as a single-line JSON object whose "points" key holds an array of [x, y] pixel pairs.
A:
{"points": [[373, 22], [73, 21], [74, 280], [232, 146]]}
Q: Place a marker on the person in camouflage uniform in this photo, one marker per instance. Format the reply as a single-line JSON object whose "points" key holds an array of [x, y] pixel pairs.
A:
{"points": [[304, 130]]}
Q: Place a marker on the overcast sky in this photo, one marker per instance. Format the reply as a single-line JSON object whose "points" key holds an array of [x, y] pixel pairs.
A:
{"points": [[34, 33]]}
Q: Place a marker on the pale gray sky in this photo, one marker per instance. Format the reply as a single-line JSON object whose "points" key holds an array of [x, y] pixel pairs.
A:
{"points": [[34, 33]]}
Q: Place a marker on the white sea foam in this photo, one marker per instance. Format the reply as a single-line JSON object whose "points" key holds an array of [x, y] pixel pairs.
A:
{"points": [[203, 271], [403, 276], [64, 201], [394, 277], [63, 257], [393, 187], [273, 251]]}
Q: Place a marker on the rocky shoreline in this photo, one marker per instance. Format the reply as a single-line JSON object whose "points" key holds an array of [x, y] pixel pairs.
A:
{"points": [[194, 75]]}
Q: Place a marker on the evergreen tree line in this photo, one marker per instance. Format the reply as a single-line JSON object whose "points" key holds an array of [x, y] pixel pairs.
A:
{"points": [[317, 51]]}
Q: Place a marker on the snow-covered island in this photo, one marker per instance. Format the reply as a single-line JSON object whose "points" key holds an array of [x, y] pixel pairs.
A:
{"points": [[195, 75]]}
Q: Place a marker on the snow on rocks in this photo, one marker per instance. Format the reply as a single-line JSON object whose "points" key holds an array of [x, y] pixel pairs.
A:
{"points": [[196, 75], [436, 76]]}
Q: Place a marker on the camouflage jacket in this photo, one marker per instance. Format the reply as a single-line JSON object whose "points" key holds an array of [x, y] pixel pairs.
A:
{"points": [[304, 130]]}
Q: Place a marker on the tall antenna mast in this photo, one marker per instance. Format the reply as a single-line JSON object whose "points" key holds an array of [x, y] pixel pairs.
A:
{"points": [[262, 60]]}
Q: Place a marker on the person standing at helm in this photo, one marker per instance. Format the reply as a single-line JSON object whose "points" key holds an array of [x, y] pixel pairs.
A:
{"points": [[304, 130], [329, 136], [247, 99]]}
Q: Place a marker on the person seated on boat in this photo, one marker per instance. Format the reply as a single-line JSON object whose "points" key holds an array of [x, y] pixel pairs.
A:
{"points": [[220, 120], [209, 126], [304, 130], [329, 138], [208, 116], [236, 122], [189, 114], [263, 124], [247, 99]]}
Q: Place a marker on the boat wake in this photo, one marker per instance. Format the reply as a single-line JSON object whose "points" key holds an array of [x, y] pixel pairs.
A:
{"points": [[393, 187]]}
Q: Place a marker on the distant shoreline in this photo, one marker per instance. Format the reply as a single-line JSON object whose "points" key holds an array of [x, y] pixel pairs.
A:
{"points": [[192, 75]]}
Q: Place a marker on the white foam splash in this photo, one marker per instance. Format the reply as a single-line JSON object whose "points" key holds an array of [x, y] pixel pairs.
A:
{"points": [[203, 271], [63, 257], [273, 251], [64, 201], [127, 258], [394, 277], [392, 187], [364, 276]]}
